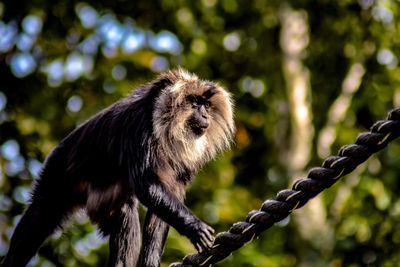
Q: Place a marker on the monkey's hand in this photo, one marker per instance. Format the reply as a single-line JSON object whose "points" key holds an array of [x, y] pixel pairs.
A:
{"points": [[201, 236]]}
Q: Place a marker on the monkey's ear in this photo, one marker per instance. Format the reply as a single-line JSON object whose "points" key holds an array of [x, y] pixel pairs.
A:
{"points": [[163, 80], [167, 78]]}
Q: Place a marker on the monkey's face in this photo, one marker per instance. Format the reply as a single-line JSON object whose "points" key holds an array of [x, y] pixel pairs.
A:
{"points": [[199, 121], [193, 119]]}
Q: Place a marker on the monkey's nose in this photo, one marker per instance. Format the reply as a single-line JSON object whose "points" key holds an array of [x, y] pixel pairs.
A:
{"points": [[203, 122]]}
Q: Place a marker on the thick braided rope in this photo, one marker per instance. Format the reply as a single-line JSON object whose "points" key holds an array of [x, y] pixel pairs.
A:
{"points": [[288, 200]]}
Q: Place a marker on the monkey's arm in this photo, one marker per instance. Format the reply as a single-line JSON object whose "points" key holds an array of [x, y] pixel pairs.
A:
{"points": [[169, 208]]}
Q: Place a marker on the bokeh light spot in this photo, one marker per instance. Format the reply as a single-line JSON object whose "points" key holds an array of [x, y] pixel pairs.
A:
{"points": [[90, 45], [159, 64], [386, 57], [54, 71], [15, 166], [7, 35], [185, 17], [110, 31], [25, 41], [87, 14], [119, 72], [198, 46], [133, 42], [365, 4], [109, 87], [22, 194], [10, 149], [74, 103], [382, 14], [73, 66], [166, 41], [22, 64], [3, 101], [253, 86], [5, 203], [209, 3], [32, 24], [34, 167], [232, 41]]}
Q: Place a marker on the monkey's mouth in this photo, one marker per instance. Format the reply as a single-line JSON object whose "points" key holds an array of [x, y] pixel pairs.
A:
{"points": [[198, 130], [197, 126]]}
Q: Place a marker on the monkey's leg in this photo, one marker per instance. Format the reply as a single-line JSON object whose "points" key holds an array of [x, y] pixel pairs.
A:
{"points": [[39, 221], [154, 236], [125, 236]]}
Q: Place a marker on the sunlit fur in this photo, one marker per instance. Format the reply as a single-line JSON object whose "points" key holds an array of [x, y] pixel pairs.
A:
{"points": [[174, 137]]}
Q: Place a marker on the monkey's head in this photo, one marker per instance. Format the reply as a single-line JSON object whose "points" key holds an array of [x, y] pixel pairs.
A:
{"points": [[192, 119]]}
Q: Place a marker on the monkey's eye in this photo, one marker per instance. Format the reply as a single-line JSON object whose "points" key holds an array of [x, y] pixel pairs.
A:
{"points": [[207, 104], [191, 99]]}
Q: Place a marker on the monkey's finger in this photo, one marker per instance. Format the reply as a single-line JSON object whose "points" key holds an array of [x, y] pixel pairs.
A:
{"points": [[205, 236], [209, 244], [206, 241], [209, 235], [210, 229], [198, 247]]}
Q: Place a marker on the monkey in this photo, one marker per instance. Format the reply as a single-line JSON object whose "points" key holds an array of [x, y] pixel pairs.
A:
{"points": [[142, 150]]}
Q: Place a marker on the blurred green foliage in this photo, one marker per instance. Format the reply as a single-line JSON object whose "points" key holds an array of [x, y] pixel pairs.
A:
{"points": [[307, 77]]}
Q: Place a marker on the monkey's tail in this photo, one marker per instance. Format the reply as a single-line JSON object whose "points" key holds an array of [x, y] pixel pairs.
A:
{"points": [[38, 222], [51, 203], [28, 236]]}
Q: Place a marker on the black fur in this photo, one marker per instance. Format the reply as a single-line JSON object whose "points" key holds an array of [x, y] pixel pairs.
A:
{"points": [[107, 165]]}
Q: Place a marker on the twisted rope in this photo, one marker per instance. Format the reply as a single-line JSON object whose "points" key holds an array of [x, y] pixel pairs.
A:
{"points": [[288, 200]]}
